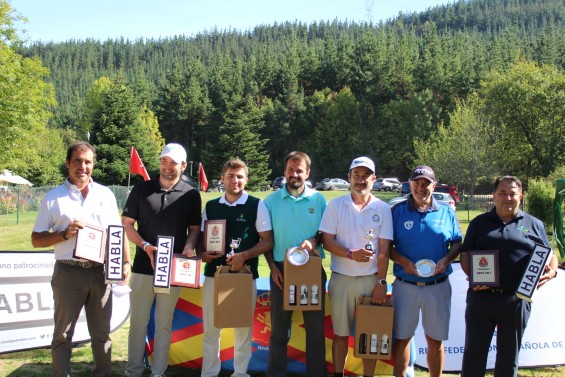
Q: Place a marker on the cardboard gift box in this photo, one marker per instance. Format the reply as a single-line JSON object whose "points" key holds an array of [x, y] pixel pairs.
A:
{"points": [[303, 285], [233, 299], [373, 330]]}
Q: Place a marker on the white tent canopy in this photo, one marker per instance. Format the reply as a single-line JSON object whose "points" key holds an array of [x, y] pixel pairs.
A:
{"points": [[8, 177]]}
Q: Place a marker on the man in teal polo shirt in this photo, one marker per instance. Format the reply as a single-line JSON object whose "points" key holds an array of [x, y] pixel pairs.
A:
{"points": [[247, 219], [296, 212]]}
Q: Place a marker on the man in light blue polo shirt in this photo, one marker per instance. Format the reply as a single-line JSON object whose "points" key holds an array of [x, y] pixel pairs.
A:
{"points": [[427, 238], [296, 212]]}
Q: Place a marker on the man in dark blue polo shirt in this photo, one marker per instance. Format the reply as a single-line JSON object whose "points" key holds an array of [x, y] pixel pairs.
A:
{"points": [[513, 233], [427, 238]]}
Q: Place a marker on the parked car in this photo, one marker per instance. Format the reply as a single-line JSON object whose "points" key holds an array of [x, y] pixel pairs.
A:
{"points": [[309, 184], [332, 184], [439, 196], [404, 188], [216, 185], [279, 182], [398, 199], [451, 190], [386, 184]]}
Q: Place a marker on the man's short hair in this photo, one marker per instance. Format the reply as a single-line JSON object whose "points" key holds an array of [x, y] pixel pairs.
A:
{"points": [[80, 146], [298, 156], [235, 163], [509, 178]]}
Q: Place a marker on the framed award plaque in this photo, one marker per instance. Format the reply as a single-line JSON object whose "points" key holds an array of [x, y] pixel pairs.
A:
{"points": [[185, 272], [483, 268], [215, 236], [91, 244]]}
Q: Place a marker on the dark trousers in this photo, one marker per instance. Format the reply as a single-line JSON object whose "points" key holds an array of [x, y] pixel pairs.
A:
{"points": [[281, 321], [74, 288], [486, 312]]}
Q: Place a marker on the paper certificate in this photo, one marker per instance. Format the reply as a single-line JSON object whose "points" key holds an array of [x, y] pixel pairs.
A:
{"points": [[185, 272], [484, 268], [215, 236], [115, 253], [91, 244]]}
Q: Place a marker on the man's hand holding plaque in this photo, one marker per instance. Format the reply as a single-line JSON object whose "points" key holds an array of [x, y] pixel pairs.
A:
{"points": [[483, 269], [215, 236], [90, 243]]}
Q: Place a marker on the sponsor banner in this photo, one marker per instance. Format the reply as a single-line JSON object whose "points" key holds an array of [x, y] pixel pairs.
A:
{"points": [[114, 264], [542, 345], [26, 303], [163, 260]]}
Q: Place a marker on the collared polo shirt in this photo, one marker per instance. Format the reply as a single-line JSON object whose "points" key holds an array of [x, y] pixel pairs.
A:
{"points": [[65, 203], [424, 235], [294, 219], [350, 224], [162, 213], [245, 219], [514, 240]]}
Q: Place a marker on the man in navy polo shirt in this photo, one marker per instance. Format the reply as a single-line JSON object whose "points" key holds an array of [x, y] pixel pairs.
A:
{"points": [[427, 238], [513, 233]]}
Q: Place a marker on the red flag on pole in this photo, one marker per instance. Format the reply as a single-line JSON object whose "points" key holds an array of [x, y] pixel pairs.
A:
{"points": [[202, 178], [136, 165]]}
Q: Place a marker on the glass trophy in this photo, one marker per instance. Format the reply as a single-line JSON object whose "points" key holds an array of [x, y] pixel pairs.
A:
{"points": [[369, 235], [234, 244]]}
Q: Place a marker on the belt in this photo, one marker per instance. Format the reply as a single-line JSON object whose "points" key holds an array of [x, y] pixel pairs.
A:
{"points": [[76, 263], [423, 283], [497, 291]]}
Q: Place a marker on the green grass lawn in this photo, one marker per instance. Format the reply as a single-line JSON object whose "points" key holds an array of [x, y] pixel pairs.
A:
{"points": [[36, 363]]}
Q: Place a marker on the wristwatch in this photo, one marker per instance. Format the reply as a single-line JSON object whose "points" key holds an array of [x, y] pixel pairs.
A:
{"points": [[382, 282]]}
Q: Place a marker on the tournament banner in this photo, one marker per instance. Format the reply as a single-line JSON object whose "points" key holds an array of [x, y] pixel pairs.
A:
{"points": [[26, 302], [186, 345], [543, 343]]}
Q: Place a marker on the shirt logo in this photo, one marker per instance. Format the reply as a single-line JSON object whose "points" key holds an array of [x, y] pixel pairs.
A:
{"points": [[240, 218], [311, 210], [522, 229], [408, 224], [376, 218]]}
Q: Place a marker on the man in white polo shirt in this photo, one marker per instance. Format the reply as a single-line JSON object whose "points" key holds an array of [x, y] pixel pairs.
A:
{"points": [[357, 271], [78, 283]]}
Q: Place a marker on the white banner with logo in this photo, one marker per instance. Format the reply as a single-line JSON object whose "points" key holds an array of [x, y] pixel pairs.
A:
{"points": [[26, 303], [544, 340]]}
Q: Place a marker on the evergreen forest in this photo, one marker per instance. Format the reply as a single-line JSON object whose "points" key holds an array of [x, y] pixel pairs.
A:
{"points": [[474, 89]]}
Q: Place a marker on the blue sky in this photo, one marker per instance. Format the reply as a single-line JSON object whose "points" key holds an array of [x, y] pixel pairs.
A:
{"points": [[60, 20]]}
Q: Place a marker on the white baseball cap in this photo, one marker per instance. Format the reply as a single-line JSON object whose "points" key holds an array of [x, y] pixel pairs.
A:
{"points": [[175, 151], [363, 161]]}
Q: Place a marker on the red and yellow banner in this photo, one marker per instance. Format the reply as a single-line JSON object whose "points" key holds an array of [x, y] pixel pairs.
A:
{"points": [[186, 347]]}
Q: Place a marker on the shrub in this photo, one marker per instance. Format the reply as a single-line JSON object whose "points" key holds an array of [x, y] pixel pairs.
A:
{"points": [[540, 201]]}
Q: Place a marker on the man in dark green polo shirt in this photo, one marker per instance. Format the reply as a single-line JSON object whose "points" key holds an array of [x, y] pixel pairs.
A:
{"points": [[247, 219]]}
